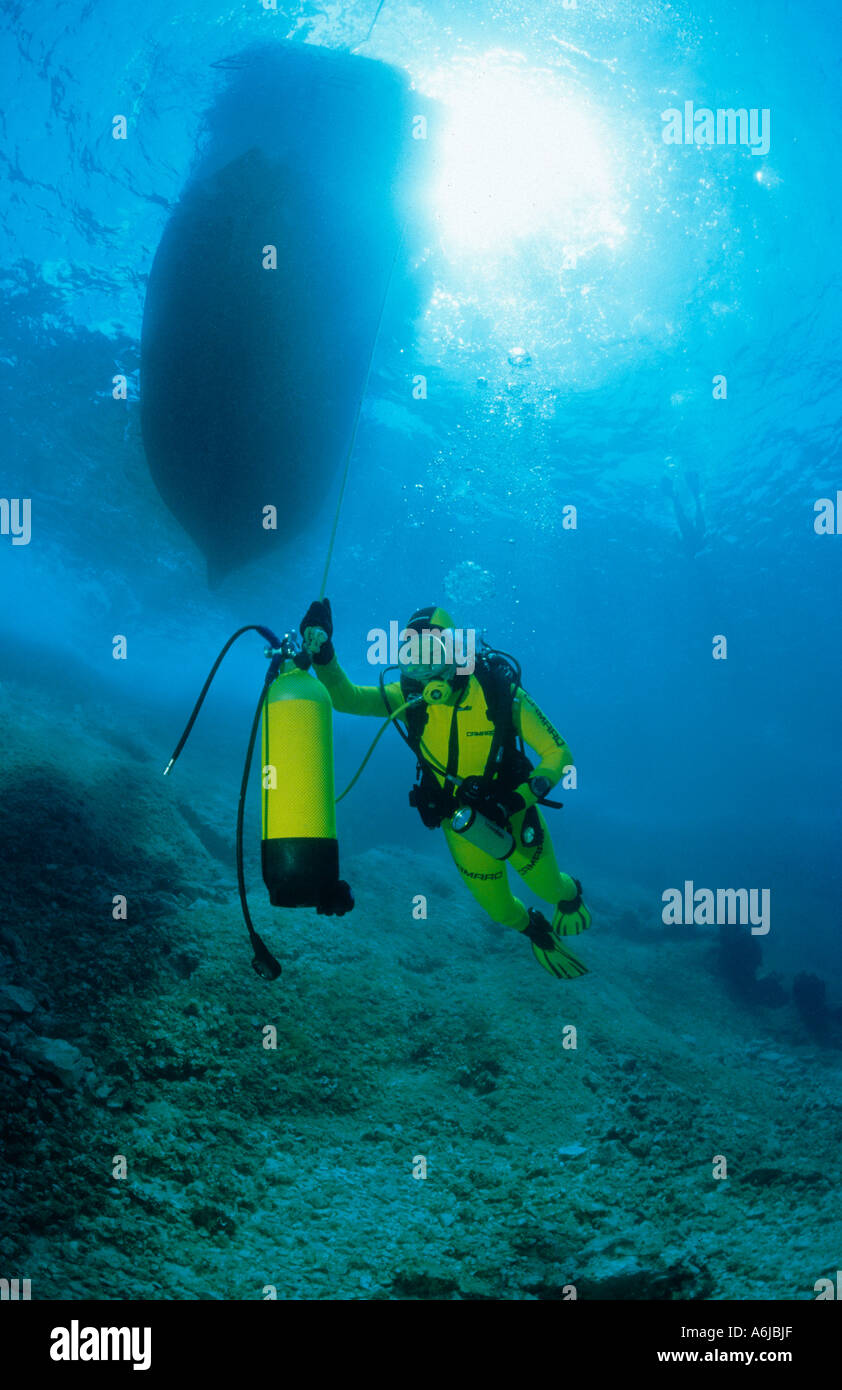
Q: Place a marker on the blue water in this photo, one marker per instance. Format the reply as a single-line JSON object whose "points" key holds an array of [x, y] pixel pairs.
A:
{"points": [[570, 340], [725, 263]]}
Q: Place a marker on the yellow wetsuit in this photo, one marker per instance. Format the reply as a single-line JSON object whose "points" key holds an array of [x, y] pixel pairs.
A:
{"points": [[484, 876]]}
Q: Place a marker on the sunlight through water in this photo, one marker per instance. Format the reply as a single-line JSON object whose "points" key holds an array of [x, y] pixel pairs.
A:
{"points": [[523, 156]]}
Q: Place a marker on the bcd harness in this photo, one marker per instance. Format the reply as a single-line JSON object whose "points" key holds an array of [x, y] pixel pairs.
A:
{"points": [[507, 764]]}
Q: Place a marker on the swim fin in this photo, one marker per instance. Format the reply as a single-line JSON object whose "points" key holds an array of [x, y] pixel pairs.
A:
{"points": [[548, 950], [571, 916]]}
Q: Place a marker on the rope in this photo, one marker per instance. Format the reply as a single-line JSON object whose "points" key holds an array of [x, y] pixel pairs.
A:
{"points": [[370, 28], [349, 454]]}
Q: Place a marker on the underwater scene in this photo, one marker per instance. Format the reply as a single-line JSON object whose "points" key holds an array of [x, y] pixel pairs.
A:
{"points": [[420, 548]]}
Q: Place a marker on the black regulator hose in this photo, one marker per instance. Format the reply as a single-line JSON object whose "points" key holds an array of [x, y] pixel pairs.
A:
{"points": [[268, 636], [264, 962]]}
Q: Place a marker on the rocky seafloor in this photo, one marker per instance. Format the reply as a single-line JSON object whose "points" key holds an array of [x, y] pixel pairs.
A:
{"points": [[253, 1171]]}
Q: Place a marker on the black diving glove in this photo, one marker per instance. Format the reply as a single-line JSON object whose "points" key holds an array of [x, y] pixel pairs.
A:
{"points": [[493, 803], [317, 630]]}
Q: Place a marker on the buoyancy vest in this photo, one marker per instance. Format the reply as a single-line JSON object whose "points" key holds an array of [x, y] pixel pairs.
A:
{"points": [[476, 737]]}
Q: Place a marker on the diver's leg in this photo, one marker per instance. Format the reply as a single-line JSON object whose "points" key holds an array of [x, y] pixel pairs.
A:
{"points": [[537, 866], [487, 880], [536, 863]]}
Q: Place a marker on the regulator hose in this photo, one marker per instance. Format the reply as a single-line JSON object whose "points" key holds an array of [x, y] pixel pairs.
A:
{"points": [[264, 963]]}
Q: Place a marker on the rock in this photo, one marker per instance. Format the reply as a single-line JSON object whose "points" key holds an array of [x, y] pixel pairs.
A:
{"points": [[606, 1245], [610, 1154], [18, 1067], [625, 1278], [623, 1272], [186, 963], [280, 1170], [13, 1032], [16, 1002], [11, 942], [571, 1151], [61, 1059]]}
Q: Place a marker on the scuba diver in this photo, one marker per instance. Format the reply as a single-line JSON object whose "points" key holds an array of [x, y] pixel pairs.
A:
{"points": [[467, 732], [692, 532]]}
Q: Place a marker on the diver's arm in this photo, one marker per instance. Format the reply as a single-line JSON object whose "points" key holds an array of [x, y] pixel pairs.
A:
{"points": [[535, 728], [317, 631], [348, 698]]}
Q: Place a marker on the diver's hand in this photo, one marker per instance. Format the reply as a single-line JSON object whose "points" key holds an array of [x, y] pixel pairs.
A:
{"points": [[317, 630], [529, 793]]}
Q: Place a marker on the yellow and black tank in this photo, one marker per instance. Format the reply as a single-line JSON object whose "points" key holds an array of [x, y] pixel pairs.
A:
{"points": [[299, 849]]}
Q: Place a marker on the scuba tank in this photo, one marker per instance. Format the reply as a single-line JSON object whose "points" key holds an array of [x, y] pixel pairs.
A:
{"points": [[477, 829], [299, 850]]}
